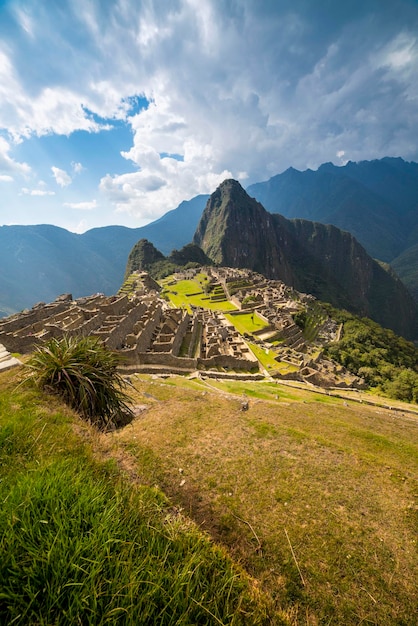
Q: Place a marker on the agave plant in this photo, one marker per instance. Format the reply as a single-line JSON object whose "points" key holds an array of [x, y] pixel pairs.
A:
{"points": [[84, 373]]}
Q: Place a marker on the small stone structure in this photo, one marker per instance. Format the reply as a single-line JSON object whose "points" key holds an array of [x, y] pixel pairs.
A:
{"points": [[7, 361]]}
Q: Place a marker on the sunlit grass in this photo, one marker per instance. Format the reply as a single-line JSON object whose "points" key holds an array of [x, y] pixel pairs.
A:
{"points": [[316, 495], [190, 292], [247, 322], [267, 358]]}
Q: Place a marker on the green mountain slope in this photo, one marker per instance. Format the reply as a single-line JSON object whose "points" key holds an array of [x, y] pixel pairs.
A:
{"points": [[38, 263]]}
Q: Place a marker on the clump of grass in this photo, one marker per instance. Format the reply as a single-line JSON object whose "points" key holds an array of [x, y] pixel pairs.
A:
{"points": [[84, 373]]}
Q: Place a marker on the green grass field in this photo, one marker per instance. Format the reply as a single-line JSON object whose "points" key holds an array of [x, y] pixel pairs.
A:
{"points": [[83, 544], [186, 292], [247, 322], [315, 496], [268, 361]]}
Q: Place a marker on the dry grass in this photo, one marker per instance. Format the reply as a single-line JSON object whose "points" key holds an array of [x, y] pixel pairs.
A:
{"points": [[315, 496]]}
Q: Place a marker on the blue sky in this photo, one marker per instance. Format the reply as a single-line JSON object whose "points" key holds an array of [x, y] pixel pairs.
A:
{"points": [[114, 111]]}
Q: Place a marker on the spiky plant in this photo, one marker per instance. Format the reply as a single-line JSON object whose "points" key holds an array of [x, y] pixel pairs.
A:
{"points": [[83, 372]]}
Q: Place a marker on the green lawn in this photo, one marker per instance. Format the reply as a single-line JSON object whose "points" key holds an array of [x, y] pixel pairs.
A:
{"points": [[266, 358], [180, 296], [247, 322]]}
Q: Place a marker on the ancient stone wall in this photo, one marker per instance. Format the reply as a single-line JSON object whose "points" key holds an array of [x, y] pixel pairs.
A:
{"points": [[181, 331], [227, 361], [165, 359], [23, 320], [122, 327], [145, 338]]}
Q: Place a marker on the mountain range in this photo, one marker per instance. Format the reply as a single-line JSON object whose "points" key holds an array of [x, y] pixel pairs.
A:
{"points": [[376, 201], [38, 263]]}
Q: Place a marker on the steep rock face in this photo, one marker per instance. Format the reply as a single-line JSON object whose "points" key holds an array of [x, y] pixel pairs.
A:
{"points": [[335, 267], [235, 230]]}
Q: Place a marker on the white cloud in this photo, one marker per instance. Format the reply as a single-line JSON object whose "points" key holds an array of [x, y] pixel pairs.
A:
{"points": [[37, 192], [77, 167], [61, 177], [82, 206], [5, 178], [9, 165]]}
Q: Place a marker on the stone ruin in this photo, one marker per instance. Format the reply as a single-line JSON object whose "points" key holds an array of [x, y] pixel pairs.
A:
{"points": [[276, 303], [151, 336], [143, 329]]}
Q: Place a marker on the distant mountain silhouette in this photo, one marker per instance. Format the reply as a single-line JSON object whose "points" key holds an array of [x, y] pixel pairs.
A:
{"points": [[376, 201], [37, 263], [235, 230]]}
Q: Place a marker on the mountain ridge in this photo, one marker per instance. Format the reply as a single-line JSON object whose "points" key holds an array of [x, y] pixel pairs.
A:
{"points": [[39, 262], [377, 201], [236, 231]]}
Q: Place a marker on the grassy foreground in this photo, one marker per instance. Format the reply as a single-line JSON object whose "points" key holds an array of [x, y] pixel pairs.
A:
{"points": [[82, 545], [316, 496]]}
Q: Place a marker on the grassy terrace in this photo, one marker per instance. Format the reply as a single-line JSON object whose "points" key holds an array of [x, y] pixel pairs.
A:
{"points": [[247, 322], [316, 496], [186, 292], [268, 361]]}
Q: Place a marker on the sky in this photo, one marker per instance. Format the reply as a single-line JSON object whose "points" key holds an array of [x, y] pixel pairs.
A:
{"points": [[115, 111]]}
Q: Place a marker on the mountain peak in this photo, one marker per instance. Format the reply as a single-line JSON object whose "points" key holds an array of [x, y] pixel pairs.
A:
{"points": [[230, 183], [229, 188], [236, 231]]}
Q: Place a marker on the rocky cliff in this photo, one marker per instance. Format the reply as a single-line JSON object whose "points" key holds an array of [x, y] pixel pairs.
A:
{"points": [[235, 230]]}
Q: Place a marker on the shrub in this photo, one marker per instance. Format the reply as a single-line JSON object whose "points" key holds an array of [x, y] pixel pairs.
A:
{"points": [[300, 318], [83, 372]]}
